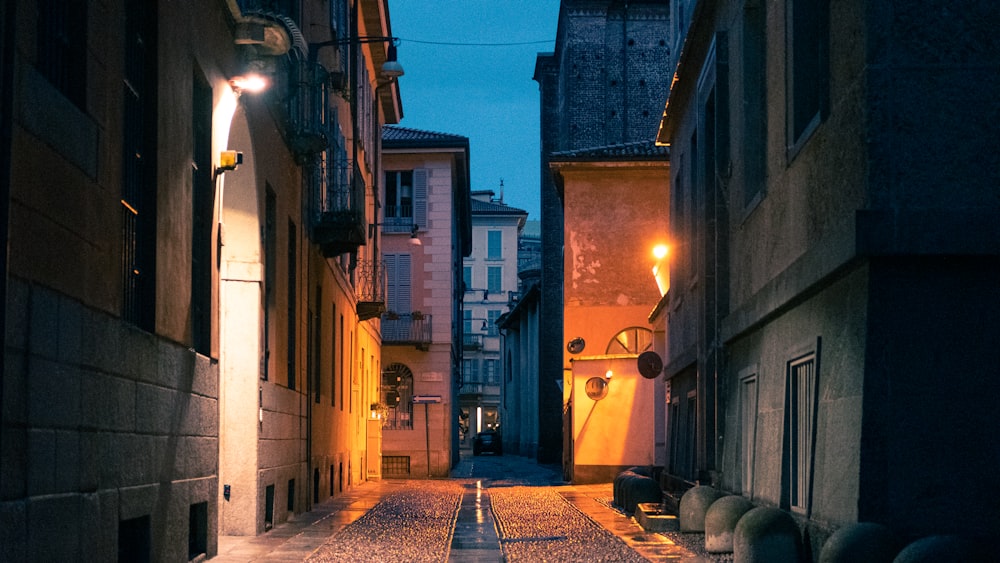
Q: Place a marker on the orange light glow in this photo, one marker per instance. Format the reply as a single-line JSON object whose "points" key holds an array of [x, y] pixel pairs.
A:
{"points": [[252, 83], [660, 251]]}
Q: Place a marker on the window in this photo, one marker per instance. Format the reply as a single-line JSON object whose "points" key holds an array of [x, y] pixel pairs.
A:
{"points": [[399, 194], [632, 340], [470, 371], [754, 100], [202, 201], [494, 245], [748, 428], [62, 44], [292, 278], [807, 36], [269, 507], [197, 530], [491, 372], [466, 278], [139, 133], [494, 279], [466, 321], [405, 200], [800, 428], [291, 495], [397, 395], [270, 274], [134, 539], [491, 322], [398, 272]]}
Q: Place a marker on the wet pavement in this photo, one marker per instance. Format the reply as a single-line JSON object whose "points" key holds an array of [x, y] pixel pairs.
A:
{"points": [[494, 508]]}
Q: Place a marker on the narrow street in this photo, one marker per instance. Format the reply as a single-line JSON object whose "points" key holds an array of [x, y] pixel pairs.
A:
{"points": [[494, 508]]}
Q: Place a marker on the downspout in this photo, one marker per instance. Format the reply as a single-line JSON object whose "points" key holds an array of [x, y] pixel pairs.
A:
{"points": [[9, 12]]}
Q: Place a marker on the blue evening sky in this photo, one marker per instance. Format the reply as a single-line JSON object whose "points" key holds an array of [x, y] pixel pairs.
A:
{"points": [[483, 92]]}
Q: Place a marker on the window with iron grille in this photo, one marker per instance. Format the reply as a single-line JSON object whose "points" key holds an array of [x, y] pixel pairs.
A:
{"points": [[270, 274], [748, 429], [138, 160], [395, 465], [800, 430], [397, 395], [62, 44]]}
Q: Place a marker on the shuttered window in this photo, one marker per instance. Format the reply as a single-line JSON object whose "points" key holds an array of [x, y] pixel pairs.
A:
{"points": [[397, 269]]}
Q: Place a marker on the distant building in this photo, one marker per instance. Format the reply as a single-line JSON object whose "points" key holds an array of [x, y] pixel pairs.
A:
{"points": [[519, 349], [425, 200], [603, 85], [833, 312], [490, 279]]}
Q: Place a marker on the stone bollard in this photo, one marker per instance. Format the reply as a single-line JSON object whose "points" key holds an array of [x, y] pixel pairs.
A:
{"points": [[720, 522], [864, 542], [694, 505], [766, 535], [942, 548], [631, 488]]}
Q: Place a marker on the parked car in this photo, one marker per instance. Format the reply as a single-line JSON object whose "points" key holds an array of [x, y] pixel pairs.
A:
{"points": [[487, 441]]}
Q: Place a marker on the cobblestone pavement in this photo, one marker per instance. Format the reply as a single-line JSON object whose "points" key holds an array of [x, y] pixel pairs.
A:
{"points": [[502, 508]]}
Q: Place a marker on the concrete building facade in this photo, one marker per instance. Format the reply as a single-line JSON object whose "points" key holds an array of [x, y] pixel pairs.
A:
{"points": [[426, 195], [186, 352], [833, 304]]}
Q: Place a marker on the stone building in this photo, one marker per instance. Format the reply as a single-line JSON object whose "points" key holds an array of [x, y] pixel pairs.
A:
{"points": [[426, 200], [832, 314], [186, 289], [603, 85]]}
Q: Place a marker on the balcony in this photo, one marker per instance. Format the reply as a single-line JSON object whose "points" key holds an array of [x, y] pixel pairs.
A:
{"points": [[409, 329], [472, 341], [369, 287], [339, 222]]}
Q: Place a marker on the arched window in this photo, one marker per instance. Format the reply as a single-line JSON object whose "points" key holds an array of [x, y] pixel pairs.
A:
{"points": [[632, 340], [397, 394]]}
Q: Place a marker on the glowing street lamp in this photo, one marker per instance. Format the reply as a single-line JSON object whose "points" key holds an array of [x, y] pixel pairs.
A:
{"points": [[661, 269]]}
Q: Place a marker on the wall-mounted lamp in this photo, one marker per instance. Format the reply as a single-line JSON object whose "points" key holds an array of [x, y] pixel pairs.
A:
{"points": [[391, 69], [254, 76], [414, 236], [228, 160], [661, 269]]}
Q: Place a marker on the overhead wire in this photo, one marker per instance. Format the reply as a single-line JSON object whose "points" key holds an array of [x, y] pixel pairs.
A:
{"points": [[460, 44]]}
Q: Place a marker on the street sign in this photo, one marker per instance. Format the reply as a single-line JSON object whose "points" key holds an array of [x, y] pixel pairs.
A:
{"points": [[426, 399]]}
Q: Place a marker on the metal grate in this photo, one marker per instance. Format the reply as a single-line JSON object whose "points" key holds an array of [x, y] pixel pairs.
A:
{"points": [[395, 465]]}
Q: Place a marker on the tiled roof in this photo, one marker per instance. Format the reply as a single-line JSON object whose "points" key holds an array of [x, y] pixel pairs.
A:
{"points": [[492, 208], [393, 134], [640, 150]]}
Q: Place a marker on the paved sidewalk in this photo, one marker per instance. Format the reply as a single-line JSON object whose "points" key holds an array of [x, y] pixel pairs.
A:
{"points": [[299, 537]]}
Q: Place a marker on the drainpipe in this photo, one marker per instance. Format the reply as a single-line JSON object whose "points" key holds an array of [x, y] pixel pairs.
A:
{"points": [[9, 12]]}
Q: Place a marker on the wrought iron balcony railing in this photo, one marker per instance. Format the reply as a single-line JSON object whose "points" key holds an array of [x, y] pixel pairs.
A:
{"points": [[369, 287], [472, 341], [407, 329]]}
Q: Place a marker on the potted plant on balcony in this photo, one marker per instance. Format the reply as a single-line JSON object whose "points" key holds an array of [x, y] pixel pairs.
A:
{"points": [[392, 315], [417, 316]]}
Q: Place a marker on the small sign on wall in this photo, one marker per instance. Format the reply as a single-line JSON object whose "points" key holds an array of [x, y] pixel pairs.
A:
{"points": [[432, 376]]}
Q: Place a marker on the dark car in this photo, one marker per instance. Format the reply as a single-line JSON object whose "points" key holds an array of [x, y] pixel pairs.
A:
{"points": [[487, 441]]}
